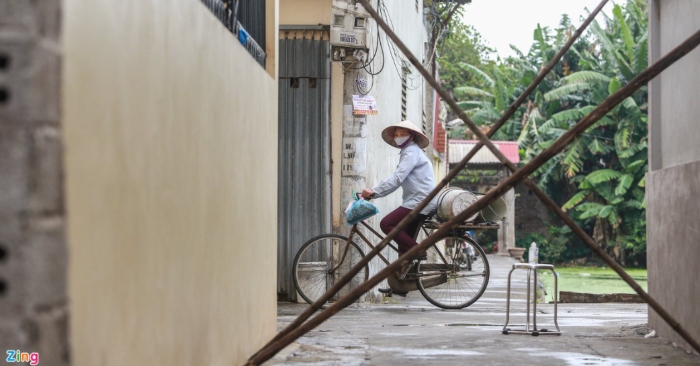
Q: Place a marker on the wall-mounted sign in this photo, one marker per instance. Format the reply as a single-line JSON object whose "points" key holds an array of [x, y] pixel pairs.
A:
{"points": [[347, 38], [364, 105], [354, 156]]}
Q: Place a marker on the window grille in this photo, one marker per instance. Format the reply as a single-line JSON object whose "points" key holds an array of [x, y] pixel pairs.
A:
{"points": [[246, 20]]}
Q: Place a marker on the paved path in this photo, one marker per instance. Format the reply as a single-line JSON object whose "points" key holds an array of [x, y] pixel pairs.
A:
{"points": [[411, 331]]}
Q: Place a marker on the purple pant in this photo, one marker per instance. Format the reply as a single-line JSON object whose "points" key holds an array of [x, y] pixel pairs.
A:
{"points": [[405, 237]]}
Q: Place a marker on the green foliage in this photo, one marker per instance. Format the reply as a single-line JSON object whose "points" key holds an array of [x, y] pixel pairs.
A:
{"points": [[471, 92], [603, 175], [463, 48], [576, 199], [478, 74], [552, 247], [599, 178], [565, 91]]}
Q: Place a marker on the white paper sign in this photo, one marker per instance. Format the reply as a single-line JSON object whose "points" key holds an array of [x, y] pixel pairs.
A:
{"points": [[364, 105]]}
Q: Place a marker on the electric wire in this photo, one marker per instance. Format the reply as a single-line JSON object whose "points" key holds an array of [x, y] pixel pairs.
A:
{"points": [[405, 73]]}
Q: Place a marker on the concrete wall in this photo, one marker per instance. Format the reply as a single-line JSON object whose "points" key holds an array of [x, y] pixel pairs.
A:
{"points": [[379, 158], [33, 291], [337, 202], [387, 91], [171, 150], [677, 135], [305, 12], [673, 183], [374, 159], [531, 215]]}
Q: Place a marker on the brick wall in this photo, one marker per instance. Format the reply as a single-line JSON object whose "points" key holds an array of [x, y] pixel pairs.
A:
{"points": [[33, 301], [440, 138]]}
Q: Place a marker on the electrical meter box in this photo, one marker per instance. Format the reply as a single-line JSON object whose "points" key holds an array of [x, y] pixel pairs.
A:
{"points": [[348, 28]]}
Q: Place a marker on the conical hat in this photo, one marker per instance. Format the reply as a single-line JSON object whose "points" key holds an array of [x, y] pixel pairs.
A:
{"points": [[419, 137]]}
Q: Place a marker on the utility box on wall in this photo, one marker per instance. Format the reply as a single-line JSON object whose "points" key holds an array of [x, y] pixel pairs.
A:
{"points": [[348, 35]]}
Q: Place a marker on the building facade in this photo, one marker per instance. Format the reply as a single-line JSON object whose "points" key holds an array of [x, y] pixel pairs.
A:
{"points": [[34, 303], [138, 163], [483, 172], [673, 181], [356, 156]]}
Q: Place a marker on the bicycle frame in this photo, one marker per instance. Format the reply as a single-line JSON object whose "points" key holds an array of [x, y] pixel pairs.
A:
{"points": [[444, 278], [425, 226], [355, 230]]}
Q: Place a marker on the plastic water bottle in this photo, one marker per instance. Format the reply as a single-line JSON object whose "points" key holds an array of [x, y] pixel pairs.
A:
{"points": [[533, 254]]}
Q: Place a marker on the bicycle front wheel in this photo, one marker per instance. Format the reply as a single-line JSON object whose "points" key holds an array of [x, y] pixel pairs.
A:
{"points": [[322, 262], [450, 281]]}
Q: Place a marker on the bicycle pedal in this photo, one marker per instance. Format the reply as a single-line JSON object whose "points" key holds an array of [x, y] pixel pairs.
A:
{"points": [[409, 269], [404, 271]]}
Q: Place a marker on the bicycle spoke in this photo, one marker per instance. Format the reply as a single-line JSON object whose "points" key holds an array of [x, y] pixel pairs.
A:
{"points": [[452, 285], [321, 262]]}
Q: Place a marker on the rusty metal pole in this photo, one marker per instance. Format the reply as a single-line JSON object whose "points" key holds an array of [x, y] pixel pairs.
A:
{"points": [[538, 192], [451, 173], [510, 182], [566, 139], [509, 112]]}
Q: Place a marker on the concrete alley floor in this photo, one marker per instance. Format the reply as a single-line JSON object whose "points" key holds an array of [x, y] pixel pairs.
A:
{"points": [[411, 331]]}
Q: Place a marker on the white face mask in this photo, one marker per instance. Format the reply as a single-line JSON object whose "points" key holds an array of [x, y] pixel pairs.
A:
{"points": [[401, 140]]}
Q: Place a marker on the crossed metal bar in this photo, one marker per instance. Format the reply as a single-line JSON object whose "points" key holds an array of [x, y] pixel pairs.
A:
{"points": [[300, 326]]}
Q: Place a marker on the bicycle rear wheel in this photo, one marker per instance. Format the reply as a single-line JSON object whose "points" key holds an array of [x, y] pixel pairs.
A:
{"points": [[445, 281], [322, 262]]}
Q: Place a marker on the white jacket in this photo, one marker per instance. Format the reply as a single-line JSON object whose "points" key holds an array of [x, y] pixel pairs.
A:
{"points": [[415, 175]]}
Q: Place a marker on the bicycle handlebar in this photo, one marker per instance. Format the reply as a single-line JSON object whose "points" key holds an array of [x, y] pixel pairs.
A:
{"points": [[359, 195]]}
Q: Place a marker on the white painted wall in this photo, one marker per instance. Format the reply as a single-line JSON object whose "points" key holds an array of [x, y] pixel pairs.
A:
{"points": [[680, 113], [380, 158], [673, 182], [171, 174], [372, 159]]}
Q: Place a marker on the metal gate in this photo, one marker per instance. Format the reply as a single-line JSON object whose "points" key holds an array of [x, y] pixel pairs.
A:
{"points": [[304, 153]]}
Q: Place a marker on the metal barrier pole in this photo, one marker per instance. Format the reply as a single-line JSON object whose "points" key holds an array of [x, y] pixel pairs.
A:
{"points": [[452, 173], [606, 106], [692, 42], [544, 72]]}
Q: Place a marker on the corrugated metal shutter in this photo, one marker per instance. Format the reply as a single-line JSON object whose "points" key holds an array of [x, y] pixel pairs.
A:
{"points": [[304, 153]]}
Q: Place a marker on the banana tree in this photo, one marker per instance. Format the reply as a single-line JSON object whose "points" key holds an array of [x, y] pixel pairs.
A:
{"points": [[600, 177], [608, 163], [487, 104]]}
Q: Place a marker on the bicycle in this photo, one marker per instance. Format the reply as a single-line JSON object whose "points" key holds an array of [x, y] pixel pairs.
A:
{"points": [[454, 275]]}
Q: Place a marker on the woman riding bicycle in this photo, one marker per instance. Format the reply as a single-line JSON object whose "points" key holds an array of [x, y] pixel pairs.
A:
{"points": [[442, 279], [414, 174]]}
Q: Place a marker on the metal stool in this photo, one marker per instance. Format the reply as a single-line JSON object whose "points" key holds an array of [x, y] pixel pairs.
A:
{"points": [[532, 267]]}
